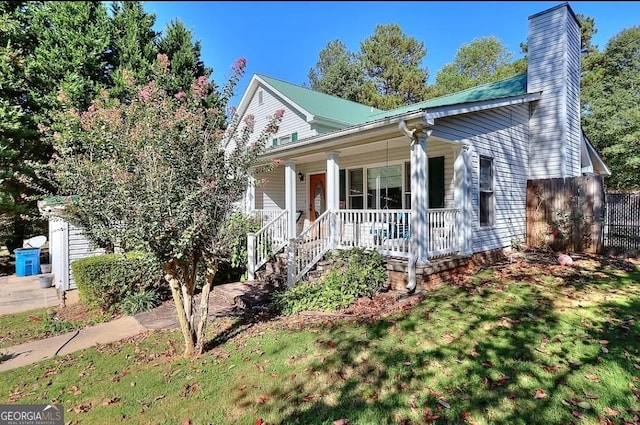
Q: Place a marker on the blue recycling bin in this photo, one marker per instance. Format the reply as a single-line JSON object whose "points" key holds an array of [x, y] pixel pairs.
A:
{"points": [[27, 261]]}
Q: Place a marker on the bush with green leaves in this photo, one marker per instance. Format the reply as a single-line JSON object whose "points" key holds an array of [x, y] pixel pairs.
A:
{"points": [[139, 302], [106, 280], [361, 274]]}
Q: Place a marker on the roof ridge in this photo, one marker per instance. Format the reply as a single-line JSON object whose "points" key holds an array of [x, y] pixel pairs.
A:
{"points": [[475, 87], [318, 92]]}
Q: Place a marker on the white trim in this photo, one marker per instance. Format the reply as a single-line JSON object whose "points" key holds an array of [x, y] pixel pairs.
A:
{"points": [[594, 157], [430, 114]]}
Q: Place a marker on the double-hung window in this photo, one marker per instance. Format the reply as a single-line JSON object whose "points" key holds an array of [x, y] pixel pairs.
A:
{"points": [[486, 191]]}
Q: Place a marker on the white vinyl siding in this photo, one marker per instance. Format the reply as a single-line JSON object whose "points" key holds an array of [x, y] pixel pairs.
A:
{"points": [[269, 191], [501, 134], [292, 121], [554, 69], [66, 245]]}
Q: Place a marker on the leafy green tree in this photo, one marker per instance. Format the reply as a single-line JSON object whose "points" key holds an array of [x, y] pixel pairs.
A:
{"points": [[391, 64], [184, 55], [482, 61], [158, 165], [337, 72], [611, 106], [72, 52], [133, 43], [18, 135]]}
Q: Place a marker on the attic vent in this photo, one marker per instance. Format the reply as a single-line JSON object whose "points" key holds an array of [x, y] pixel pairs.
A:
{"points": [[260, 97]]}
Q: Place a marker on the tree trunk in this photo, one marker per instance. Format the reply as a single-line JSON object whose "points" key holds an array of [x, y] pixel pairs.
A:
{"points": [[212, 268], [174, 283]]}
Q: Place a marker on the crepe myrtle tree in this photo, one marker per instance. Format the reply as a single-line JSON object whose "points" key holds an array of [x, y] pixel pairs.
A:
{"points": [[161, 172]]}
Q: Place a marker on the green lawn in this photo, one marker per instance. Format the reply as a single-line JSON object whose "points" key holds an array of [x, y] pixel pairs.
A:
{"points": [[44, 323], [512, 345]]}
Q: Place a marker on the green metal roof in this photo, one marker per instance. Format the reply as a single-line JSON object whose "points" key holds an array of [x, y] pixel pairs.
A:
{"points": [[514, 86], [323, 105]]}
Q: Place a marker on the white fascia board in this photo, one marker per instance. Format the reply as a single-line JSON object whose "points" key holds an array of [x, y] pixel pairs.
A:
{"points": [[465, 108], [595, 158], [308, 115], [339, 137], [329, 122]]}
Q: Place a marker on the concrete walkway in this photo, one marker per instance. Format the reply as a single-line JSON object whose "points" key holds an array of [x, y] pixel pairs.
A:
{"points": [[35, 351], [19, 294], [221, 303]]}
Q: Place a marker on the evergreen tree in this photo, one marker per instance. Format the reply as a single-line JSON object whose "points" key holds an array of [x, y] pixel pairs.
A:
{"points": [[133, 44], [391, 63], [337, 72], [611, 107]]}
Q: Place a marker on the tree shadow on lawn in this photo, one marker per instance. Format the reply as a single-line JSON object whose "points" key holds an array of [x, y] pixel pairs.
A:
{"points": [[512, 360]]}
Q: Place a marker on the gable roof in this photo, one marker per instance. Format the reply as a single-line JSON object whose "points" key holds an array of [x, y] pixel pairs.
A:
{"points": [[323, 105], [509, 87]]}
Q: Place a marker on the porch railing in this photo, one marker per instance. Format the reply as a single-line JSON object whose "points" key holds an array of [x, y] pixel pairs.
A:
{"points": [[443, 232], [387, 231], [266, 215], [266, 242], [309, 247]]}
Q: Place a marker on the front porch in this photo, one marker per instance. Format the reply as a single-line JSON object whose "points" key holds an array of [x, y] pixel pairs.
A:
{"points": [[387, 231], [386, 194]]}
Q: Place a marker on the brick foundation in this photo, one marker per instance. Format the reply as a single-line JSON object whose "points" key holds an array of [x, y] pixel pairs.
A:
{"points": [[439, 272]]}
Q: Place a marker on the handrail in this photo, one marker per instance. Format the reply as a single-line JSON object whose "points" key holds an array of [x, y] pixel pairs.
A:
{"points": [[309, 247], [266, 242]]}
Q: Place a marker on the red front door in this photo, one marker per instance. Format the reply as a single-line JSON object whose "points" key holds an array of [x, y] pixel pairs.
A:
{"points": [[317, 195]]}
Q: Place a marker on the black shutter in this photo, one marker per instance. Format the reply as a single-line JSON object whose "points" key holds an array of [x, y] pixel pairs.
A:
{"points": [[436, 182]]}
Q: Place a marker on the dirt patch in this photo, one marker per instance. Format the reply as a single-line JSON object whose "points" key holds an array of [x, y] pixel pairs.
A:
{"points": [[80, 313]]}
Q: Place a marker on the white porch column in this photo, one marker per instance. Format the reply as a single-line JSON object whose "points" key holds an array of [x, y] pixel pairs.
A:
{"points": [[462, 175], [333, 195], [290, 196], [420, 197], [250, 196]]}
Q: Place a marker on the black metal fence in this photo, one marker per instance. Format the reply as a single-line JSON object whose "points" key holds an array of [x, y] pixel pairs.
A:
{"points": [[622, 223]]}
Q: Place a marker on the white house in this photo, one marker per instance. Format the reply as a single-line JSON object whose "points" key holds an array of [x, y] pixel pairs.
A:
{"points": [[443, 177]]}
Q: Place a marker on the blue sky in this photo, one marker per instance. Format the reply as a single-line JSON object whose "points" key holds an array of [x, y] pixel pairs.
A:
{"points": [[283, 39]]}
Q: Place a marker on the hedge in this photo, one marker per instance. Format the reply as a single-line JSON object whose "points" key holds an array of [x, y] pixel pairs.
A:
{"points": [[105, 280]]}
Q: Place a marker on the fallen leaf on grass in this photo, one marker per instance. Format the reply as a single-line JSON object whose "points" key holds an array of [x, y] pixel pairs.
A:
{"points": [[611, 412], [83, 408], [591, 377], [307, 398], [605, 421], [590, 396], [260, 367], [186, 422], [74, 390], [488, 363], [242, 387], [444, 404], [160, 397], [342, 421], [273, 374], [109, 401], [428, 415], [262, 399], [540, 393], [604, 349], [577, 414]]}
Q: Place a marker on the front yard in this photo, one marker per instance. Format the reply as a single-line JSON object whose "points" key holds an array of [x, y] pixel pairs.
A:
{"points": [[523, 343]]}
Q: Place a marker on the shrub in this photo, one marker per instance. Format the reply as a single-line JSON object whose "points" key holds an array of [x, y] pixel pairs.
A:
{"points": [[139, 302], [362, 274], [237, 227], [106, 280]]}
